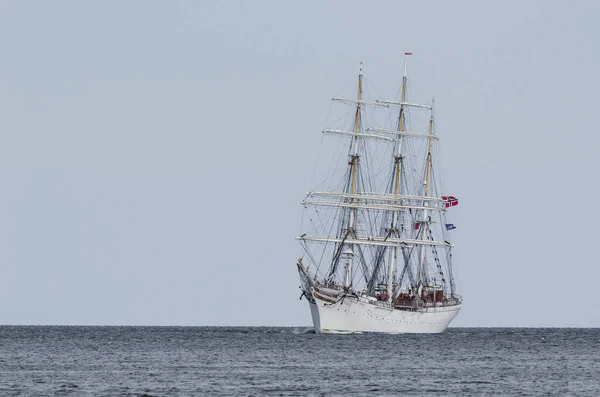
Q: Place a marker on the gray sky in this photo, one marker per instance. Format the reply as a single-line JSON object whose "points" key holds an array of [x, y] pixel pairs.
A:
{"points": [[153, 153]]}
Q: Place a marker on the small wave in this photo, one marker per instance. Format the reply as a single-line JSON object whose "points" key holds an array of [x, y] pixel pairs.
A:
{"points": [[475, 382], [69, 386], [303, 330]]}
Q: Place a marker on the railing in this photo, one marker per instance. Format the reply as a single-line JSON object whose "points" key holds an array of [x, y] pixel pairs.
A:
{"points": [[413, 305]]}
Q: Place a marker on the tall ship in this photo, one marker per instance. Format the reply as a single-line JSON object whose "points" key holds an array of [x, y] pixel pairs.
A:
{"points": [[376, 251]]}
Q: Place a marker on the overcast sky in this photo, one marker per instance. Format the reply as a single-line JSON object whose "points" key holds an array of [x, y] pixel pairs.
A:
{"points": [[153, 154]]}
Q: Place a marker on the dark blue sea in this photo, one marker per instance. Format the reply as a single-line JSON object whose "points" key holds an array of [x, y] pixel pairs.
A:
{"points": [[264, 361]]}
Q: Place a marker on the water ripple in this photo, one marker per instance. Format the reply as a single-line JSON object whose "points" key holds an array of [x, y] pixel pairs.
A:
{"points": [[257, 361]]}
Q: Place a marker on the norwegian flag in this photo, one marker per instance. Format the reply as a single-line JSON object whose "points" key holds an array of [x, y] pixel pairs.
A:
{"points": [[450, 201]]}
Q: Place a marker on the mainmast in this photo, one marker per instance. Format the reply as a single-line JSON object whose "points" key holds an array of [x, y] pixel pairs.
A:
{"points": [[398, 170], [425, 222]]}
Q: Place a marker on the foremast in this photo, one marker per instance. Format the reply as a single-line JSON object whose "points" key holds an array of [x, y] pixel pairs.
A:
{"points": [[354, 155], [351, 230]]}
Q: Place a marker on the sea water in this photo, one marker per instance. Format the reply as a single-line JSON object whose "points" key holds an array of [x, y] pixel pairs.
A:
{"points": [[266, 361]]}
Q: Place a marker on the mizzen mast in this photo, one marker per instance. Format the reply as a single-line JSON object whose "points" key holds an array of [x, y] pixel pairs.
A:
{"points": [[425, 222]]}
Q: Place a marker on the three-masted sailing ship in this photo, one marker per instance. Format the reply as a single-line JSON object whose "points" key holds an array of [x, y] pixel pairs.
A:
{"points": [[376, 252]]}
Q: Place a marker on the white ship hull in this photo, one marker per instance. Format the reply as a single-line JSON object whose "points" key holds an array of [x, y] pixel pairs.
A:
{"points": [[351, 315]]}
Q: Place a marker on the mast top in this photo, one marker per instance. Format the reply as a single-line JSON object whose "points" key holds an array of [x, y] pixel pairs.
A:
{"points": [[361, 67], [406, 54]]}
